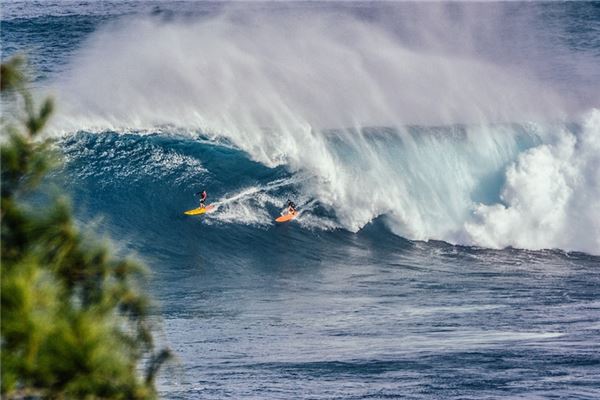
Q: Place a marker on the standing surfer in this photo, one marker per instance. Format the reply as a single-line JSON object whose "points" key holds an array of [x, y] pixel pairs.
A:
{"points": [[203, 197], [203, 208]]}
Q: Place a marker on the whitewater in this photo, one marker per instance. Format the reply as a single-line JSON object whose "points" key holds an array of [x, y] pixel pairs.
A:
{"points": [[445, 158]]}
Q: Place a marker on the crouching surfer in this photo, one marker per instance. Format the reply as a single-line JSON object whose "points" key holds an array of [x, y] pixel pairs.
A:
{"points": [[291, 207]]}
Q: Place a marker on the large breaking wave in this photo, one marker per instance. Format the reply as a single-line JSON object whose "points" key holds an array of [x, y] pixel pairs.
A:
{"points": [[440, 144]]}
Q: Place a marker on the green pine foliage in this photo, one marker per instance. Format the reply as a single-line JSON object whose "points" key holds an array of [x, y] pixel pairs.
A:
{"points": [[73, 321]]}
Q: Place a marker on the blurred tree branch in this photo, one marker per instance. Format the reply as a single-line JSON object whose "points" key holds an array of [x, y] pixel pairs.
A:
{"points": [[74, 324]]}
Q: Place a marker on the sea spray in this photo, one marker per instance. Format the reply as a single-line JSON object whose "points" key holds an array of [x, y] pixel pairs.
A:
{"points": [[551, 197], [236, 75]]}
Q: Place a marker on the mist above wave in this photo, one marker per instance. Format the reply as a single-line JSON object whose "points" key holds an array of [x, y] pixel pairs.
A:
{"points": [[241, 71]]}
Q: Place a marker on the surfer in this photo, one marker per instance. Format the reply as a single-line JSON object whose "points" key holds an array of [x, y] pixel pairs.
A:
{"points": [[291, 207], [203, 197], [203, 208], [290, 214]]}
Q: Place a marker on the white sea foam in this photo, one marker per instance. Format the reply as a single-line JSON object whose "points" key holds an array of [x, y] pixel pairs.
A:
{"points": [[551, 197], [249, 205]]}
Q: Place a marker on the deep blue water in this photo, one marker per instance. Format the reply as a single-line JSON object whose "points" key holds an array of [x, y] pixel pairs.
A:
{"points": [[337, 304]]}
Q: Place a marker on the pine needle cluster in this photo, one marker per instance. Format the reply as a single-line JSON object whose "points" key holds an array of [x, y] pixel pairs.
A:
{"points": [[74, 323]]}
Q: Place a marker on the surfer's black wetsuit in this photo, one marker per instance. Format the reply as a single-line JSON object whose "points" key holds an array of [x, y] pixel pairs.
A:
{"points": [[291, 206]]}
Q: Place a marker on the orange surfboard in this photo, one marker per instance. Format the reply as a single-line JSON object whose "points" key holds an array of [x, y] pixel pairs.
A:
{"points": [[199, 210], [287, 217]]}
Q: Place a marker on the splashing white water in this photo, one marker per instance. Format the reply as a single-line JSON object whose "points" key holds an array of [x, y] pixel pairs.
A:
{"points": [[551, 196]]}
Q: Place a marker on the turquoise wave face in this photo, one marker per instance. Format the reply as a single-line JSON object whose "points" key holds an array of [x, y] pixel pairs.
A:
{"points": [[493, 186]]}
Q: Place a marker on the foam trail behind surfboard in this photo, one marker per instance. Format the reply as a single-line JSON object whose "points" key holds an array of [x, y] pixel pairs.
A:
{"points": [[248, 206], [250, 191]]}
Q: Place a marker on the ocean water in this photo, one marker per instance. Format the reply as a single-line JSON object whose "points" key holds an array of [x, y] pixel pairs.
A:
{"points": [[445, 158]]}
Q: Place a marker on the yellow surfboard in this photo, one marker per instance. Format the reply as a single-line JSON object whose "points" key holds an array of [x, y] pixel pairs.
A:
{"points": [[287, 217], [200, 210]]}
